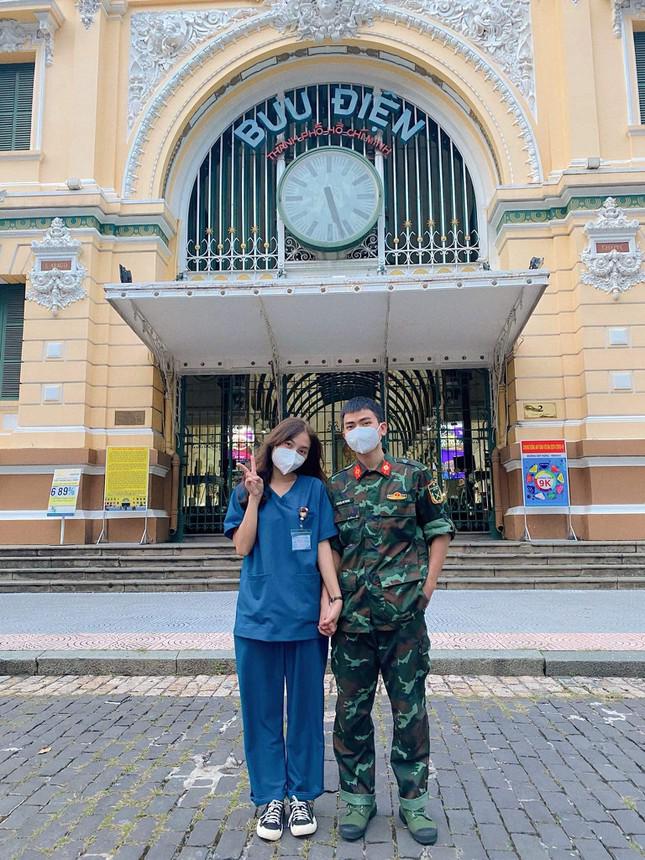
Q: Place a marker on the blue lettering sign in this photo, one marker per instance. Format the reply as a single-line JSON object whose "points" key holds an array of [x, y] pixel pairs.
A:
{"points": [[378, 110]]}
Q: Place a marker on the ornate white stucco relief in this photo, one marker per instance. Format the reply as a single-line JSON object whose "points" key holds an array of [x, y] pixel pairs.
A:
{"points": [[88, 10], [613, 271], [59, 282], [500, 28], [622, 6], [489, 34], [158, 40], [323, 19], [20, 36]]}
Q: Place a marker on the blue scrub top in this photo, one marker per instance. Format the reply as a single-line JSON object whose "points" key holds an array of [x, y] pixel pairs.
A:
{"points": [[279, 597]]}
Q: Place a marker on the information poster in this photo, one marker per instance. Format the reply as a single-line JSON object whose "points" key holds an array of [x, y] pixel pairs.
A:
{"points": [[63, 496], [545, 475], [126, 479]]}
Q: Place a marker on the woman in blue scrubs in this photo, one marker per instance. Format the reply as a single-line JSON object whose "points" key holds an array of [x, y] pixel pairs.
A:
{"points": [[280, 519]]}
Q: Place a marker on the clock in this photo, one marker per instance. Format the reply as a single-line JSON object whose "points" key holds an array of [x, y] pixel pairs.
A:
{"points": [[330, 198]]}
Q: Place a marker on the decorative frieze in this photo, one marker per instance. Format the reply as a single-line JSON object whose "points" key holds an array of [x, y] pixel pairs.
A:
{"points": [[158, 40], [623, 6], [88, 9], [323, 19], [18, 36], [499, 29], [612, 258], [56, 278]]}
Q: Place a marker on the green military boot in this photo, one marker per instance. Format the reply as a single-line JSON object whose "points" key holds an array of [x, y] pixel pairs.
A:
{"points": [[353, 822], [413, 814]]}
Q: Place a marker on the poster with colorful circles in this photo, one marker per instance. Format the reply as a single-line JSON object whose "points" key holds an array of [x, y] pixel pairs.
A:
{"points": [[545, 474]]}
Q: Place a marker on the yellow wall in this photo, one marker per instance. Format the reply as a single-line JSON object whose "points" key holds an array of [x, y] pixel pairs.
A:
{"points": [[581, 112]]}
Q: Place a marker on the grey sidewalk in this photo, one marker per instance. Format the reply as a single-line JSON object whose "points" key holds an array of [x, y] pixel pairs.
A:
{"points": [[491, 632]]}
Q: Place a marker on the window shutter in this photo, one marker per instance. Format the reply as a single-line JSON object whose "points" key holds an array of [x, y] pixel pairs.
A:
{"points": [[639, 51], [16, 100], [12, 318]]}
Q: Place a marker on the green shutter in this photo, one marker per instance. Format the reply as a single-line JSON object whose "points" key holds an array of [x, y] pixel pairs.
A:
{"points": [[12, 318], [16, 99], [639, 51]]}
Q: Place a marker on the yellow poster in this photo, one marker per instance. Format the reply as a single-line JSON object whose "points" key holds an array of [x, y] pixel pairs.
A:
{"points": [[126, 479]]}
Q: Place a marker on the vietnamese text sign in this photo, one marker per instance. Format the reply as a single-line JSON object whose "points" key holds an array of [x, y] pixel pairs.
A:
{"points": [[376, 111], [63, 495], [126, 479], [545, 477]]}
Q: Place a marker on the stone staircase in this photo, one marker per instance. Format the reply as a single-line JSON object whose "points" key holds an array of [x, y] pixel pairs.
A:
{"points": [[211, 565]]}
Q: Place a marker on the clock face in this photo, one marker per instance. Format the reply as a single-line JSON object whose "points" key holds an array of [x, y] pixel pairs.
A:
{"points": [[329, 198]]}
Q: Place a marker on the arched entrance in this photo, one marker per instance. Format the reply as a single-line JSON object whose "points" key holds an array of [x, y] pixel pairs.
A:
{"points": [[429, 212], [439, 418]]}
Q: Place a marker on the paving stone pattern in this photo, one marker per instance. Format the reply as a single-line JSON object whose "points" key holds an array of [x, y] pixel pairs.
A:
{"points": [[133, 768]]}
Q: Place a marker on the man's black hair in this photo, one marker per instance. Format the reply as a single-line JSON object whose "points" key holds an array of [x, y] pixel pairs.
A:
{"points": [[357, 404]]}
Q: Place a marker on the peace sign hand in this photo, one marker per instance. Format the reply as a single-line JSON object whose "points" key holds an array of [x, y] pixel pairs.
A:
{"points": [[253, 483]]}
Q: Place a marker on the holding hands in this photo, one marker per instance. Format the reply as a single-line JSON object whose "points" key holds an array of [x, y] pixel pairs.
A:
{"points": [[253, 483], [329, 615]]}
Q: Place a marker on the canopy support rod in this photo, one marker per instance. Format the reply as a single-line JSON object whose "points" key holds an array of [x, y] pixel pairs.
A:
{"points": [[276, 364]]}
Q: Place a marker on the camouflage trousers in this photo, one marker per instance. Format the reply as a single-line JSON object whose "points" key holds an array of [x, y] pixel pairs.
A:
{"points": [[403, 659]]}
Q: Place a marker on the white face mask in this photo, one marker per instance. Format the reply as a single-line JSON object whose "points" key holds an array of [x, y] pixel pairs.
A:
{"points": [[362, 440], [287, 459]]}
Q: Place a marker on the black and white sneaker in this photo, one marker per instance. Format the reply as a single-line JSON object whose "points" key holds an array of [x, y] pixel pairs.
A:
{"points": [[302, 821], [270, 823]]}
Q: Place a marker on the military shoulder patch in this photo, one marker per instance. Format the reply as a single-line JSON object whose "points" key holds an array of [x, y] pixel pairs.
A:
{"points": [[435, 493], [397, 497]]}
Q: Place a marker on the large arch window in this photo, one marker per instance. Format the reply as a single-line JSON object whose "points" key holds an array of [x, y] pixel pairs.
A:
{"points": [[429, 214]]}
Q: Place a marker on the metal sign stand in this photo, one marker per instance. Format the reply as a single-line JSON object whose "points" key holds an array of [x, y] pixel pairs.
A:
{"points": [[103, 528], [571, 535], [62, 530], [144, 536]]}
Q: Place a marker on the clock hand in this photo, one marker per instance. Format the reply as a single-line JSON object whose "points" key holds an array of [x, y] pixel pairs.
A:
{"points": [[334, 211]]}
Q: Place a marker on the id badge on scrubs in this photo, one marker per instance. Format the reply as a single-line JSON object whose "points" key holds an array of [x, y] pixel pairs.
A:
{"points": [[300, 540]]}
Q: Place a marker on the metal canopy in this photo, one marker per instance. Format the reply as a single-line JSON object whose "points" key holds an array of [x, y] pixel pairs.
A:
{"points": [[243, 322]]}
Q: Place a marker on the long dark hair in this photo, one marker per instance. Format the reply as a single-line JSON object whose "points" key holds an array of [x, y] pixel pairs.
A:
{"points": [[282, 432]]}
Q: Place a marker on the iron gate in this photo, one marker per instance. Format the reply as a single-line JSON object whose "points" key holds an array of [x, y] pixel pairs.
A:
{"points": [[441, 418]]}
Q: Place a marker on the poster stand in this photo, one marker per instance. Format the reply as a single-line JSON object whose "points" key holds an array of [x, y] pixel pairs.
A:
{"points": [[144, 536], [551, 453], [63, 496], [127, 486]]}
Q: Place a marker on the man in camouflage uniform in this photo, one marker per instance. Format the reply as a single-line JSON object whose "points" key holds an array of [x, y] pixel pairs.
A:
{"points": [[388, 512]]}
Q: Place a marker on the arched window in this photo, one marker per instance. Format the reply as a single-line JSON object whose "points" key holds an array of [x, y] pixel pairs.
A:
{"points": [[429, 214]]}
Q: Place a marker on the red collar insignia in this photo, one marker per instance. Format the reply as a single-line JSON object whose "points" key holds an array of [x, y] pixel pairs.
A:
{"points": [[385, 468]]}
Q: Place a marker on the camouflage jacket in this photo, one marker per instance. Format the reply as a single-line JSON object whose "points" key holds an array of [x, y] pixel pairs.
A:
{"points": [[385, 518]]}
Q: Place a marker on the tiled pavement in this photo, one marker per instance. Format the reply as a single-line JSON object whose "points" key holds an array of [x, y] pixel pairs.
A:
{"points": [[131, 768], [557, 620]]}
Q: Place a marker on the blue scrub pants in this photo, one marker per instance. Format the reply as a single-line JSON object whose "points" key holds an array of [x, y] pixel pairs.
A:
{"points": [[276, 769]]}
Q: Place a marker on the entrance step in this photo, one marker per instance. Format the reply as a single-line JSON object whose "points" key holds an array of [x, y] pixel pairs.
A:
{"points": [[211, 565]]}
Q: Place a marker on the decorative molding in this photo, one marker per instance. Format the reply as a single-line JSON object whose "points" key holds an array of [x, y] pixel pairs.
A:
{"points": [[499, 28], [512, 27], [59, 284], [20, 35], [89, 8], [58, 237], [622, 6], [317, 20], [158, 40], [89, 222], [614, 270], [511, 217]]}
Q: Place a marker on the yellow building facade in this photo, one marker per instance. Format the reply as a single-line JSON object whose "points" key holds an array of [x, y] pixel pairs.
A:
{"points": [[213, 214]]}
